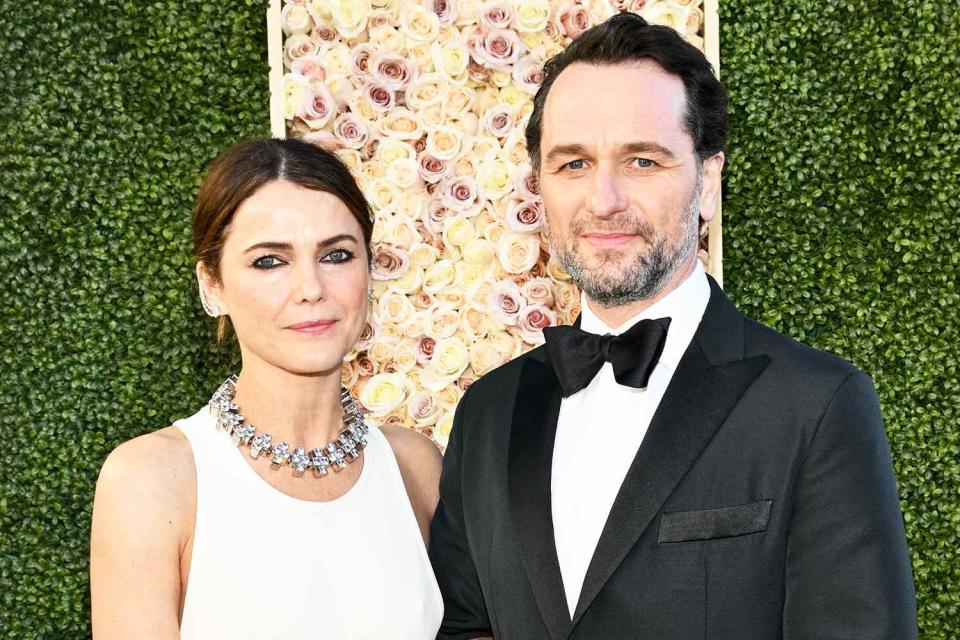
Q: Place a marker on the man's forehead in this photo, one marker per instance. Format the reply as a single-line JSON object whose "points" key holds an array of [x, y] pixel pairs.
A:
{"points": [[635, 101]]}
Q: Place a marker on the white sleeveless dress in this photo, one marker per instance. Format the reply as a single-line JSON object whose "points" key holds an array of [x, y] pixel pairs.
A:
{"points": [[268, 565]]}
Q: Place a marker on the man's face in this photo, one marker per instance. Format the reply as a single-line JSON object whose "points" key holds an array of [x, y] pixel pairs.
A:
{"points": [[622, 186]]}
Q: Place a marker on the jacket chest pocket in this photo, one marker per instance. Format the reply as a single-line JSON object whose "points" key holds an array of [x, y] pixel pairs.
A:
{"points": [[711, 524]]}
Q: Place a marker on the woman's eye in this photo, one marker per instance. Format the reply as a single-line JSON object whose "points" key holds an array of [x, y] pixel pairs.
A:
{"points": [[339, 255], [266, 262]]}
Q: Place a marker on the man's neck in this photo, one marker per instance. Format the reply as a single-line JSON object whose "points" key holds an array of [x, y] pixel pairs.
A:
{"points": [[613, 317]]}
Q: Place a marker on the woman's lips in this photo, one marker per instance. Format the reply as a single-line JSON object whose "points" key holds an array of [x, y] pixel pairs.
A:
{"points": [[606, 240], [313, 327]]}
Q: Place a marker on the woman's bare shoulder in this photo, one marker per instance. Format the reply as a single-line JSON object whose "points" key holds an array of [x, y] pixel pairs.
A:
{"points": [[150, 476], [417, 455], [420, 462]]}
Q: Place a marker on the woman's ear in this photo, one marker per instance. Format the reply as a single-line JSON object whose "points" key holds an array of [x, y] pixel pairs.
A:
{"points": [[210, 296]]}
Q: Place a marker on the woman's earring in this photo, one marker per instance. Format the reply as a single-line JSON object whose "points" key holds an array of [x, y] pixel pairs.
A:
{"points": [[212, 310]]}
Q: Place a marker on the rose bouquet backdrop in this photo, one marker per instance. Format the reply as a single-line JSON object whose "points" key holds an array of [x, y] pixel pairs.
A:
{"points": [[427, 104]]}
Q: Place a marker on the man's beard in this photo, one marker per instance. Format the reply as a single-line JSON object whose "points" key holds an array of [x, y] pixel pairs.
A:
{"points": [[649, 272]]}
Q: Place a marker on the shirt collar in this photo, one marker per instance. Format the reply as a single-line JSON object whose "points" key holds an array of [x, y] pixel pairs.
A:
{"points": [[684, 306]]}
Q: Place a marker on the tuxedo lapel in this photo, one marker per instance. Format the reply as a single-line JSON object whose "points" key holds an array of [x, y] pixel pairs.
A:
{"points": [[529, 465], [709, 380]]}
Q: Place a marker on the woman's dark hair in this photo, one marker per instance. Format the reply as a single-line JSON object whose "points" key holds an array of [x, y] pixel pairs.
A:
{"points": [[626, 38], [241, 170]]}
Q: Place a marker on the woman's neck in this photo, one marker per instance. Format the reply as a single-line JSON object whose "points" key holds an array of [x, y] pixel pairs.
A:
{"points": [[294, 408]]}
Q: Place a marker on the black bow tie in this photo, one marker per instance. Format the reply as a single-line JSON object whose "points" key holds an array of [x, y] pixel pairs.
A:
{"points": [[577, 355]]}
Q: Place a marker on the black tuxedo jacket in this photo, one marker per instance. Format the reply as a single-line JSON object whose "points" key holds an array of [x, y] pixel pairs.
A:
{"points": [[760, 505]]}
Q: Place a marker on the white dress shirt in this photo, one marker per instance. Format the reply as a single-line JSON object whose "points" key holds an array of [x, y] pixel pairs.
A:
{"points": [[583, 487]]}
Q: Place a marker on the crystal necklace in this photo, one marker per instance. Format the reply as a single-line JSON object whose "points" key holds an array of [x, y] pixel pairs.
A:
{"points": [[346, 448]]}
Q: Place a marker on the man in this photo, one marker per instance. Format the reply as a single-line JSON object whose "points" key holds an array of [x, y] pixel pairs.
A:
{"points": [[693, 474]]}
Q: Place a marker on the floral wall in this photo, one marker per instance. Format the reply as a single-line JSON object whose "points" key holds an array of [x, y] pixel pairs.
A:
{"points": [[427, 104]]}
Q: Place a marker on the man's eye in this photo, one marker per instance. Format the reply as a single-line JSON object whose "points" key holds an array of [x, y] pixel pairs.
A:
{"points": [[642, 163], [574, 165], [339, 255], [266, 262]]}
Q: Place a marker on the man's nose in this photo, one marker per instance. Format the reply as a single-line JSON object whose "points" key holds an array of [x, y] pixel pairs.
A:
{"points": [[607, 194]]}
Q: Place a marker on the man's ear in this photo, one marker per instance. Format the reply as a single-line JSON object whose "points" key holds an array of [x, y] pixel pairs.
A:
{"points": [[710, 195], [210, 290]]}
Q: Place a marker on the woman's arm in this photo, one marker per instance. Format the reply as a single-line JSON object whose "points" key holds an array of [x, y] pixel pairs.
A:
{"points": [[143, 517], [419, 461]]}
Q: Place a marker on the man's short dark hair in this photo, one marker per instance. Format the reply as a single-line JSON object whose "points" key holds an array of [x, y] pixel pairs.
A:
{"points": [[626, 38]]}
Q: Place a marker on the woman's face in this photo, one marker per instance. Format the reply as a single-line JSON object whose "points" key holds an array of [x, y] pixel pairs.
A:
{"points": [[294, 278]]}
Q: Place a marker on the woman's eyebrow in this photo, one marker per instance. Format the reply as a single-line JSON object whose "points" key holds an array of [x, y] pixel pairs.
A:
{"points": [[286, 246]]}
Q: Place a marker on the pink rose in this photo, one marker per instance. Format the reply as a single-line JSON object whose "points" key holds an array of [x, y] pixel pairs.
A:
{"points": [[498, 120], [433, 214], [532, 321], [319, 106], [379, 96], [425, 346], [389, 262], [446, 10], [496, 14], [379, 19], [350, 130], [432, 169], [573, 19], [392, 70], [528, 73], [498, 49], [460, 194], [526, 184], [367, 336], [505, 301], [311, 67], [360, 58], [323, 33], [365, 366], [524, 216]]}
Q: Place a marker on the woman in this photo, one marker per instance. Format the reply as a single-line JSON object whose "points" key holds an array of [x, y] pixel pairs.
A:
{"points": [[222, 526]]}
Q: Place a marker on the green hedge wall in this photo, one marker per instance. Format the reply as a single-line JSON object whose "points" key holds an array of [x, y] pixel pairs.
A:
{"points": [[843, 174]]}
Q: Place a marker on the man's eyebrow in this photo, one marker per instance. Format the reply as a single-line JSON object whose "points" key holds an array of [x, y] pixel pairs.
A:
{"points": [[646, 147], [286, 246], [561, 150], [575, 149]]}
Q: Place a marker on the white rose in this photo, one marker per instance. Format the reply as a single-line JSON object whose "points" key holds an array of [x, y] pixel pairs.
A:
{"points": [[450, 357], [295, 19], [666, 14], [295, 89], [518, 252], [451, 59], [442, 323], [494, 178], [438, 276], [532, 15], [444, 143], [418, 23], [383, 393], [394, 306], [458, 231], [401, 124], [403, 173], [484, 357], [349, 16]]}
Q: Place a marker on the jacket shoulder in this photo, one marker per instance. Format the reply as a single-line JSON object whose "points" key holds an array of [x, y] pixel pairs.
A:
{"points": [[802, 359]]}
